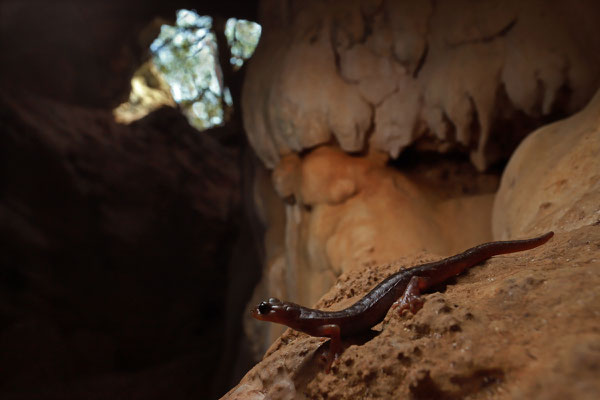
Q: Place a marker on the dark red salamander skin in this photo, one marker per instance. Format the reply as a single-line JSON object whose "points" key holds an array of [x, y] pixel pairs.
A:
{"points": [[373, 307]]}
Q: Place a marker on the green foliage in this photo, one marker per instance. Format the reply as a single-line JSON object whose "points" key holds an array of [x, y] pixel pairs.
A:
{"points": [[186, 55]]}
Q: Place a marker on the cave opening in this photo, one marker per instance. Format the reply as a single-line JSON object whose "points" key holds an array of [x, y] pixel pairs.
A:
{"points": [[135, 236], [121, 227], [184, 69]]}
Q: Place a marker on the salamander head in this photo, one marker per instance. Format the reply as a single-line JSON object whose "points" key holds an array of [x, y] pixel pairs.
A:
{"points": [[275, 310]]}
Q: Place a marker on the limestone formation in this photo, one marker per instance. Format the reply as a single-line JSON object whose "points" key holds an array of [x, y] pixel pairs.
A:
{"points": [[343, 213], [382, 75], [553, 179], [520, 326], [476, 77]]}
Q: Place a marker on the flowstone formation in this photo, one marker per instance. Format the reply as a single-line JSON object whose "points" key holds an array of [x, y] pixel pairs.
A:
{"points": [[382, 75], [553, 177], [371, 78], [344, 213]]}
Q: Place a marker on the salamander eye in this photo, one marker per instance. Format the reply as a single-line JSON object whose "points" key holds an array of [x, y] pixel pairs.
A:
{"points": [[264, 307]]}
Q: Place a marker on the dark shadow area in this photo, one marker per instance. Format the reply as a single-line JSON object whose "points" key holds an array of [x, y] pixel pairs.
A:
{"points": [[127, 252]]}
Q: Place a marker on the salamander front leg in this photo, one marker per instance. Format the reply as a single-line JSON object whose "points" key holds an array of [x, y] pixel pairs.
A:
{"points": [[335, 345], [411, 299]]}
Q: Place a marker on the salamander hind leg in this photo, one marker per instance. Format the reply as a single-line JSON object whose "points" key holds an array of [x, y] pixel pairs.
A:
{"points": [[411, 299], [335, 344]]}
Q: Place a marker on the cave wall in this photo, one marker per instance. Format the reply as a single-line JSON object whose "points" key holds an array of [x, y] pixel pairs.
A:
{"points": [[85, 52], [339, 93], [386, 125], [120, 245], [382, 75], [113, 240], [517, 326]]}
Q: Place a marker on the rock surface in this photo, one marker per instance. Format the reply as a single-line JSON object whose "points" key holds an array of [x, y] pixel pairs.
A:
{"points": [[123, 249], [87, 53], [382, 75], [553, 179], [521, 326], [343, 213], [114, 249]]}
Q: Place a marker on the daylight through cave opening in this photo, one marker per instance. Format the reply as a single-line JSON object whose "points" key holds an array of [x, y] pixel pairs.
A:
{"points": [[184, 70]]}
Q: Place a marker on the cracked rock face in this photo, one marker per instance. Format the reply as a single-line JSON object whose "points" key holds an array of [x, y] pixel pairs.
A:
{"points": [[382, 75]]}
